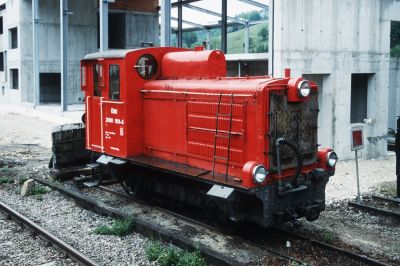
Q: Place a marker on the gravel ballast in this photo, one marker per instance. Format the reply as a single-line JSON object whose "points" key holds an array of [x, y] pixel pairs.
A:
{"points": [[19, 247], [76, 227]]}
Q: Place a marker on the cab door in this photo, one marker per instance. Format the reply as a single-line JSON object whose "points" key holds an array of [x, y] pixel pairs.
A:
{"points": [[94, 127], [113, 104]]}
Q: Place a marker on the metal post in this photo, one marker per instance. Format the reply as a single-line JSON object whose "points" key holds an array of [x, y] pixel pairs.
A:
{"points": [[224, 30], [239, 69], [180, 32], [397, 149], [208, 40], [358, 179], [271, 37], [64, 53], [246, 38], [165, 23], [35, 52], [103, 25]]}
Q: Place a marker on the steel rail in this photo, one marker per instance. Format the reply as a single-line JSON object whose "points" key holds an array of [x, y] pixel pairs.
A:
{"points": [[374, 209], [70, 251], [191, 221], [141, 226], [391, 200], [348, 253]]}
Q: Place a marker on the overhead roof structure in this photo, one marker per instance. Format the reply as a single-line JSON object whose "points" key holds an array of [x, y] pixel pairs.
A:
{"points": [[224, 21]]}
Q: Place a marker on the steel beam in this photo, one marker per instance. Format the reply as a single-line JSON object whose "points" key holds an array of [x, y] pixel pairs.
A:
{"points": [[64, 53], [254, 3], [180, 32], [103, 24], [165, 23], [190, 23], [212, 13], [175, 4], [35, 52], [207, 27], [224, 26]]}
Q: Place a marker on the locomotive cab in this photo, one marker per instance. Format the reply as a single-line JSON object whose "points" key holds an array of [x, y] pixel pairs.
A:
{"points": [[167, 121]]}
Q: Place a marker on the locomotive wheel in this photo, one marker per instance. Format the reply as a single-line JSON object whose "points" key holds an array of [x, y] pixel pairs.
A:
{"points": [[312, 215]]}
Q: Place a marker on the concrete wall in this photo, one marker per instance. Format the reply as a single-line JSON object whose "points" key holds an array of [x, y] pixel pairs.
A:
{"points": [[394, 92], [141, 27], [82, 39], [337, 38], [11, 17]]}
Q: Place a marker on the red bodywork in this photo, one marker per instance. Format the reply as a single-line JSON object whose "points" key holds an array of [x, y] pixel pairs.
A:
{"points": [[172, 116]]}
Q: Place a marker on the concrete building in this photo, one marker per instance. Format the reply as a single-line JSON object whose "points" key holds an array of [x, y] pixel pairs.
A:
{"points": [[130, 23], [344, 46]]}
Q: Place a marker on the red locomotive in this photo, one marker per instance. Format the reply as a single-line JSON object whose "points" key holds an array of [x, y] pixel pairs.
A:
{"points": [[169, 122]]}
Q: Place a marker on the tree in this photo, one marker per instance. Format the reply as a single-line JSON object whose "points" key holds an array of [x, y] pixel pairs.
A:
{"points": [[250, 15], [263, 33], [189, 38]]}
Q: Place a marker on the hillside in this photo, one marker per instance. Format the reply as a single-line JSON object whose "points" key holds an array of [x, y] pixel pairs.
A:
{"points": [[258, 39]]}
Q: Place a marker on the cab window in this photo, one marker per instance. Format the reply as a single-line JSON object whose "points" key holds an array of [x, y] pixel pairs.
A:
{"points": [[96, 87], [114, 86]]}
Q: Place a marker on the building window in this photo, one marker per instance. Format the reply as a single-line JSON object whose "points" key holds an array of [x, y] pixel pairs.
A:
{"points": [[96, 87], [361, 85], [13, 38], [14, 79], [114, 82], [1, 61], [1, 25]]}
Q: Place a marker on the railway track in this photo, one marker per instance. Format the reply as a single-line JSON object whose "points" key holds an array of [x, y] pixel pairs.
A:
{"points": [[48, 237], [313, 243], [143, 227], [257, 239], [379, 205]]}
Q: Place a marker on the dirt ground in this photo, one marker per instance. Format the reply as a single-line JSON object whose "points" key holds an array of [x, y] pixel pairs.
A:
{"points": [[371, 234]]}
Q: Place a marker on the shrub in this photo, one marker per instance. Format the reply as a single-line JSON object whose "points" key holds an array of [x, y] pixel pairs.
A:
{"points": [[6, 180], [168, 256], [118, 228], [39, 190]]}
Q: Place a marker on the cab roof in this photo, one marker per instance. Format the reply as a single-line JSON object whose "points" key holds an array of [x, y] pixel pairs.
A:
{"points": [[121, 53]]}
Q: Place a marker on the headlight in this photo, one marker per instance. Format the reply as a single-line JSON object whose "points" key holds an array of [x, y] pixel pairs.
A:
{"points": [[303, 89], [331, 158], [259, 174]]}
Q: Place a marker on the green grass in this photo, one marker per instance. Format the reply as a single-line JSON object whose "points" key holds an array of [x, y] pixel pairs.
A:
{"points": [[22, 180], [118, 228], [327, 236], [39, 190], [168, 256], [6, 180]]}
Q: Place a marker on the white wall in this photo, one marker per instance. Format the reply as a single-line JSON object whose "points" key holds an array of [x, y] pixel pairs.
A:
{"points": [[339, 37]]}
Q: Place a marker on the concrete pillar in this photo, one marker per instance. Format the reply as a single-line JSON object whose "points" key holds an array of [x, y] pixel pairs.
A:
{"points": [[35, 54], [165, 23], [103, 4], [64, 53], [208, 40]]}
